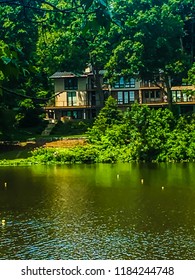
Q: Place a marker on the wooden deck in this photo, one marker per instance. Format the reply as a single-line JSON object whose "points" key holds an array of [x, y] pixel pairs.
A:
{"points": [[164, 104], [150, 104]]}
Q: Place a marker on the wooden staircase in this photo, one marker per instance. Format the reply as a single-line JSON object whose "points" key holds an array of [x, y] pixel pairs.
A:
{"points": [[49, 128]]}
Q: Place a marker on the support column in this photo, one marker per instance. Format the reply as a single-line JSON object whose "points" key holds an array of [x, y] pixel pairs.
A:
{"points": [[84, 114], [140, 97]]}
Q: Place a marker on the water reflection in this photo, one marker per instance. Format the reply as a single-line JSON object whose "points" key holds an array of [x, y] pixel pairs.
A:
{"points": [[98, 212]]}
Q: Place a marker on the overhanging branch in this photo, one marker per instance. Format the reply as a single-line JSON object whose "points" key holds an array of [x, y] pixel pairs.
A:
{"points": [[54, 9], [28, 96]]}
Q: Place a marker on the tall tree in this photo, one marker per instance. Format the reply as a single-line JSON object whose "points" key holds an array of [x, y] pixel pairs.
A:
{"points": [[151, 44], [38, 37]]}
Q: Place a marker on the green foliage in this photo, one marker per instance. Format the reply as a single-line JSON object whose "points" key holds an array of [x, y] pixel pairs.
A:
{"points": [[158, 137], [108, 116], [156, 37], [145, 134], [38, 38], [8, 61], [70, 127], [128, 37], [141, 134], [85, 154], [191, 75], [28, 115], [7, 119]]}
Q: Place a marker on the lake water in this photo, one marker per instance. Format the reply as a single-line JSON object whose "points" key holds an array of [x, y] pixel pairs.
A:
{"points": [[99, 211]]}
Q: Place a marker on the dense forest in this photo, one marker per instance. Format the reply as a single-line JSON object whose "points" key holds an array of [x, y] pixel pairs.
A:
{"points": [[39, 37]]}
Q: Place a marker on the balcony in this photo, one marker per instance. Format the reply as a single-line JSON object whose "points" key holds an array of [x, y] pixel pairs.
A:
{"points": [[147, 84], [163, 102], [154, 100]]}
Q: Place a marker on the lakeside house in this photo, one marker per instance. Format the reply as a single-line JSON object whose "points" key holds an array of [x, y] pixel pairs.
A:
{"points": [[77, 96]]}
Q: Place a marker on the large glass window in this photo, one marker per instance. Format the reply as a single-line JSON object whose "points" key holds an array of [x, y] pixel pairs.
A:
{"points": [[157, 93], [77, 114], [152, 94], [71, 98], [185, 97], [125, 83], [120, 97], [130, 83], [120, 83], [71, 83], [131, 96], [176, 95], [147, 94], [125, 97]]}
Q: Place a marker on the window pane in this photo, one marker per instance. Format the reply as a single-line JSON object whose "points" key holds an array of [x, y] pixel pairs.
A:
{"points": [[116, 85], [152, 94], [126, 97], [174, 95], [75, 115], [122, 82], [70, 83], [185, 98], [72, 100], [120, 97], [127, 83], [132, 96], [157, 94], [71, 94], [79, 114], [132, 82], [178, 95]]}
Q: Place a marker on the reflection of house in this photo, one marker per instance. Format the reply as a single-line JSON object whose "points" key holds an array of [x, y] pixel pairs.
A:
{"points": [[76, 96]]}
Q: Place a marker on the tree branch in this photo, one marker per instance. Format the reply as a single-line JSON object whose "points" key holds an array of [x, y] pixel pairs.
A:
{"points": [[53, 10], [28, 96]]}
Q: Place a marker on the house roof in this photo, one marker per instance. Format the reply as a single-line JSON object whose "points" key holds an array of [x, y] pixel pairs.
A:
{"points": [[58, 75], [65, 74]]}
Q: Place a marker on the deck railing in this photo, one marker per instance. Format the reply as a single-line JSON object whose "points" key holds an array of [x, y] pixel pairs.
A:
{"points": [[147, 84]]}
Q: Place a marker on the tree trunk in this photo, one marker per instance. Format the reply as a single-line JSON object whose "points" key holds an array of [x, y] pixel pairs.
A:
{"points": [[168, 92], [99, 91]]}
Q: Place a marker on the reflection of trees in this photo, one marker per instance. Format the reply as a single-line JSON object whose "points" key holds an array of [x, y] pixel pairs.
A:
{"points": [[94, 195], [172, 206]]}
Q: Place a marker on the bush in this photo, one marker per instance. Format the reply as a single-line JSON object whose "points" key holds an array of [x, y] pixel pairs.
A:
{"points": [[141, 134]]}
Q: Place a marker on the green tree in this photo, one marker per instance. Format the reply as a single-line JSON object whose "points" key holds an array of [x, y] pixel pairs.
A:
{"points": [[191, 75], [39, 37], [108, 116], [152, 41]]}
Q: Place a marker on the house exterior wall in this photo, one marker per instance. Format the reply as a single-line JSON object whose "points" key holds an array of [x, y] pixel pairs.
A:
{"points": [[61, 99]]}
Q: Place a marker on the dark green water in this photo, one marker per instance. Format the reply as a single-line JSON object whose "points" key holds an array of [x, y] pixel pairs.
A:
{"points": [[88, 212]]}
